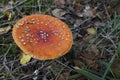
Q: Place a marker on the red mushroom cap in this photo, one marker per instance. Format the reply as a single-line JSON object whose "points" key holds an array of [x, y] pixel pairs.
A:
{"points": [[42, 36]]}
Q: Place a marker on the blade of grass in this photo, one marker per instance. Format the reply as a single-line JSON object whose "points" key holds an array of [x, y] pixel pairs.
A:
{"points": [[74, 76], [109, 66], [118, 49], [88, 74]]}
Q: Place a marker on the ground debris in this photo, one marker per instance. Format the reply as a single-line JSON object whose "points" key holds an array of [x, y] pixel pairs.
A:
{"points": [[96, 34]]}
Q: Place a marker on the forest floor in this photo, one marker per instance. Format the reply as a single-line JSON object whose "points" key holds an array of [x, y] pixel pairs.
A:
{"points": [[95, 53]]}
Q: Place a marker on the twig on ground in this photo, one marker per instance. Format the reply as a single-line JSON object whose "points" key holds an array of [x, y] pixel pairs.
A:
{"points": [[5, 66], [16, 5]]}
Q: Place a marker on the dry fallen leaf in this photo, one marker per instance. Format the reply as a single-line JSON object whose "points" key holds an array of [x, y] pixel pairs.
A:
{"points": [[89, 56], [5, 29], [63, 76], [8, 14], [77, 22], [25, 58], [91, 31], [59, 13], [78, 63], [116, 67], [78, 7], [89, 12], [118, 9], [60, 3]]}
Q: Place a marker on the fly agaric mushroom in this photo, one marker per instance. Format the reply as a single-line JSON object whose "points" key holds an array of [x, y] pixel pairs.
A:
{"points": [[42, 36]]}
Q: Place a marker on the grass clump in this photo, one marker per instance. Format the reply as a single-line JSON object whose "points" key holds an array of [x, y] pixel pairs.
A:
{"points": [[91, 57]]}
